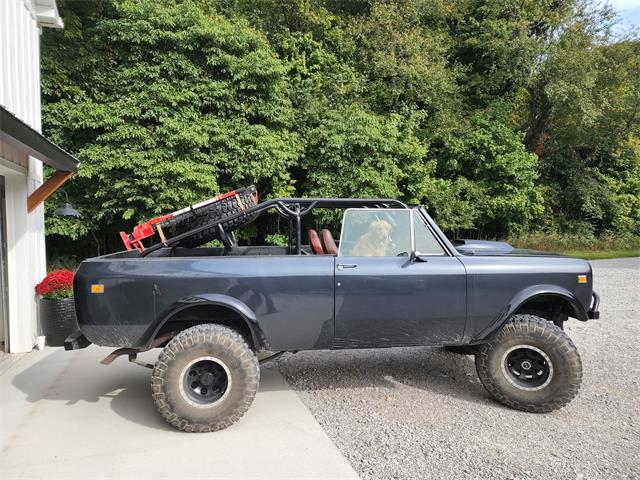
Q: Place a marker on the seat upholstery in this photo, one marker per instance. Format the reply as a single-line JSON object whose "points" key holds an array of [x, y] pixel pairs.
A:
{"points": [[328, 243], [314, 240]]}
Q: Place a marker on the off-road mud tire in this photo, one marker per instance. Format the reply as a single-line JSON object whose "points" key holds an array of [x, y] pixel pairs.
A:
{"points": [[212, 213], [205, 341], [530, 330]]}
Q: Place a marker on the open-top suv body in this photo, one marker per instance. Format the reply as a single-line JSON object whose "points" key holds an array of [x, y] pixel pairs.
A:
{"points": [[389, 278]]}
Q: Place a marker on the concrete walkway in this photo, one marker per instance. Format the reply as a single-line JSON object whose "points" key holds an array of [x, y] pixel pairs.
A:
{"points": [[63, 415]]}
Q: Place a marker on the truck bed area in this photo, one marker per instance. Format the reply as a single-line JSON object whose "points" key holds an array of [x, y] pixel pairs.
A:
{"points": [[180, 252]]}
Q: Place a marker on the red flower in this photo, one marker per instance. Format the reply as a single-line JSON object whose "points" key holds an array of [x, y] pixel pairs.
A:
{"points": [[57, 284]]}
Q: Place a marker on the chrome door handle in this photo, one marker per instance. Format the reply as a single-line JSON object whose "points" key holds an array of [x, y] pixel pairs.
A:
{"points": [[340, 266]]}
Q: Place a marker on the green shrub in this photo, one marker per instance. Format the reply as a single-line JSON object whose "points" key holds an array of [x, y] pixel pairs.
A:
{"points": [[278, 239], [555, 242]]}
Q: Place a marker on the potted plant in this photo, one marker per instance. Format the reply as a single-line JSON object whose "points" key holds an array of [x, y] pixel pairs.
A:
{"points": [[56, 308]]}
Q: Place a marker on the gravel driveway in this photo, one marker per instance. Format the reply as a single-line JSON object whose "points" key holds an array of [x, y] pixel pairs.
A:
{"points": [[422, 413]]}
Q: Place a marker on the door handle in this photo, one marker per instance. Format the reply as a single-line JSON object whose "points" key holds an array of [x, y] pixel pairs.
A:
{"points": [[340, 266]]}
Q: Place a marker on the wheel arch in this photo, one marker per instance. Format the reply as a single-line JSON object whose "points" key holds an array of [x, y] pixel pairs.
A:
{"points": [[537, 300], [212, 308]]}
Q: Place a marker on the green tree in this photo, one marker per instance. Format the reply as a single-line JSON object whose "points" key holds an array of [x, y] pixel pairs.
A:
{"points": [[500, 116], [487, 178], [167, 105], [501, 44], [355, 153], [585, 126]]}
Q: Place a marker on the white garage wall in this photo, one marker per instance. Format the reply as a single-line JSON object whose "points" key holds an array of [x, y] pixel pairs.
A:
{"points": [[20, 94], [20, 61]]}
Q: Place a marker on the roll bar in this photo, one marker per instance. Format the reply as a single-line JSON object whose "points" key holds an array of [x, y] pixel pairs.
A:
{"points": [[293, 209]]}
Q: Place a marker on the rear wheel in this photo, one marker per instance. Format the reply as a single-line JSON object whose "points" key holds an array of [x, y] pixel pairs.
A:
{"points": [[205, 379], [530, 365]]}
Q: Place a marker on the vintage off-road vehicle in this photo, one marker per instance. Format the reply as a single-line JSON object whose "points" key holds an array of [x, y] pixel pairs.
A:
{"points": [[391, 279]]}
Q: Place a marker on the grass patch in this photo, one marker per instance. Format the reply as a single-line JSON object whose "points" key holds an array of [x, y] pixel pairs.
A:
{"points": [[590, 248], [601, 254]]}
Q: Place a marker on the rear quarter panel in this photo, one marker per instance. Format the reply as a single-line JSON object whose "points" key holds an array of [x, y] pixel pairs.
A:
{"points": [[291, 296]]}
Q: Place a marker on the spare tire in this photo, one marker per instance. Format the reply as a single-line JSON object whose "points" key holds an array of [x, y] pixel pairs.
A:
{"points": [[228, 206]]}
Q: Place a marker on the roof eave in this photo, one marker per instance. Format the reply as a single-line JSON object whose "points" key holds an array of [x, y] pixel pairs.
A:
{"points": [[47, 14], [17, 133]]}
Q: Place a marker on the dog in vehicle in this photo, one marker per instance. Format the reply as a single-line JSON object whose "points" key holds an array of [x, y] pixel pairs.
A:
{"points": [[374, 243]]}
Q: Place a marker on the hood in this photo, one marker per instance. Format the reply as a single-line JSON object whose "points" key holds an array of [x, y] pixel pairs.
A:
{"points": [[495, 248]]}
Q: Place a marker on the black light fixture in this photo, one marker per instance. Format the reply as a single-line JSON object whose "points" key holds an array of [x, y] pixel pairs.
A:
{"points": [[66, 210]]}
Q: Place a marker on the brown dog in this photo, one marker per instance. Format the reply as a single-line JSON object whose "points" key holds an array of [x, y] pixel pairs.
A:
{"points": [[373, 243]]}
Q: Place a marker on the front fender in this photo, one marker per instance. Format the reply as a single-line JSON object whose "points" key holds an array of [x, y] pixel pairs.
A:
{"points": [[221, 300], [525, 295]]}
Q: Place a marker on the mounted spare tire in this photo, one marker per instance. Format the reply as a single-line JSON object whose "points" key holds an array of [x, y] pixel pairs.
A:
{"points": [[229, 205]]}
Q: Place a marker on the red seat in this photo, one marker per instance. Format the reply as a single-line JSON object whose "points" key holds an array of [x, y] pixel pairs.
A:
{"points": [[328, 243], [314, 240]]}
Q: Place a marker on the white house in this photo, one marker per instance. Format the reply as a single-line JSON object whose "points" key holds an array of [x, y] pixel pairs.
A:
{"points": [[23, 150]]}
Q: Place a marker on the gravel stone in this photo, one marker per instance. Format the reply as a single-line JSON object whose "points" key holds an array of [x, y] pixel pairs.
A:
{"points": [[404, 413]]}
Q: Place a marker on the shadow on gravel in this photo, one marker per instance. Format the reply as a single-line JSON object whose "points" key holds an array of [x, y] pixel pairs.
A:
{"points": [[428, 369]]}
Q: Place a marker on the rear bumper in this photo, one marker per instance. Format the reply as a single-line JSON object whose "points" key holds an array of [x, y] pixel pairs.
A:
{"points": [[593, 312]]}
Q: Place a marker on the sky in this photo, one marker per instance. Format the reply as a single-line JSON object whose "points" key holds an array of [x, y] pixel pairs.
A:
{"points": [[629, 13]]}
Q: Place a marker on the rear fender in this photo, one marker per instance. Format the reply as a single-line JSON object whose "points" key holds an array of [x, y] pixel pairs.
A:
{"points": [[233, 304], [526, 295]]}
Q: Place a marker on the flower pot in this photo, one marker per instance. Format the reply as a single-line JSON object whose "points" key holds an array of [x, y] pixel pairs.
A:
{"points": [[58, 320]]}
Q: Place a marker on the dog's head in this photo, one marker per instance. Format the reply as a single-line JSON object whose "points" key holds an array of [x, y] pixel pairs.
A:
{"points": [[380, 230]]}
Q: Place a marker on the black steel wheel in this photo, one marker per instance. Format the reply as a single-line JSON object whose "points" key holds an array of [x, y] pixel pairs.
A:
{"points": [[205, 379], [530, 365], [527, 367]]}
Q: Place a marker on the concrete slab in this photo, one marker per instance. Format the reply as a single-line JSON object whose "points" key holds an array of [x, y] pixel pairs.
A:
{"points": [[63, 415], [8, 359]]}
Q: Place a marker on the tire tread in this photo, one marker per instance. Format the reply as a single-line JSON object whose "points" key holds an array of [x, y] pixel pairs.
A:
{"points": [[186, 339], [550, 333]]}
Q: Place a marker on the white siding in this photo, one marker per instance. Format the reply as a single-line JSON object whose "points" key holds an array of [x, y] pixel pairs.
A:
{"points": [[20, 70], [20, 94], [20, 61]]}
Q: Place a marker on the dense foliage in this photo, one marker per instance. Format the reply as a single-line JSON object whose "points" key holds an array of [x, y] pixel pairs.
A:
{"points": [[503, 117]]}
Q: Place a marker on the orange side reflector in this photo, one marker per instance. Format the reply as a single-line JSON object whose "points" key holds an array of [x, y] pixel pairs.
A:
{"points": [[97, 288], [582, 279]]}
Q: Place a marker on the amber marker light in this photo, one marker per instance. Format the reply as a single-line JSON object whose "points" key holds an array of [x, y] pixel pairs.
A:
{"points": [[582, 279], [97, 288]]}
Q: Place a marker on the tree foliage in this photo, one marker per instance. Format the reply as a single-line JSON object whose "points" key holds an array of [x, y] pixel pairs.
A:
{"points": [[175, 106], [502, 117]]}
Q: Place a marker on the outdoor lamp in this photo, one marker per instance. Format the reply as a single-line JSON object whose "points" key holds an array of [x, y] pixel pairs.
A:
{"points": [[66, 210]]}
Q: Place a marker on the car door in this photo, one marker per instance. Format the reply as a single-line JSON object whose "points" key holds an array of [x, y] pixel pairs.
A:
{"points": [[387, 296]]}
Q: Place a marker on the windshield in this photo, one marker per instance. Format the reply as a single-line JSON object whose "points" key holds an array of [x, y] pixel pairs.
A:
{"points": [[376, 233]]}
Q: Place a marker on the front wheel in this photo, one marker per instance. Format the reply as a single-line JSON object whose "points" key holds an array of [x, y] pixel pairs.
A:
{"points": [[205, 379], [530, 365]]}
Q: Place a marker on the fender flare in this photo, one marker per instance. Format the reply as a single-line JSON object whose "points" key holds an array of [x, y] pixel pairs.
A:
{"points": [[526, 295], [248, 316]]}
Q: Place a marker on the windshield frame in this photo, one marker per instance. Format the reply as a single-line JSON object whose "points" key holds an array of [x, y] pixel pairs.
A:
{"points": [[439, 234]]}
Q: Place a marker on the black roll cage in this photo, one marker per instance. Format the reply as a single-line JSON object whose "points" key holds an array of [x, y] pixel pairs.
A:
{"points": [[292, 209]]}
